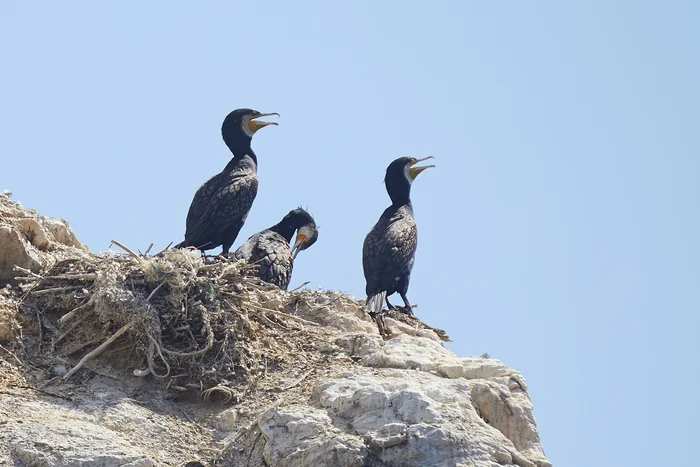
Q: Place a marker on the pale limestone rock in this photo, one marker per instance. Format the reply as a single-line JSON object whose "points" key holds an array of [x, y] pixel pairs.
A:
{"points": [[306, 438], [105, 430], [388, 436], [416, 353], [411, 418], [15, 250], [360, 344], [397, 328], [418, 404], [32, 241], [59, 438], [62, 232], [34, 233], [510, 412], [479, 367]]}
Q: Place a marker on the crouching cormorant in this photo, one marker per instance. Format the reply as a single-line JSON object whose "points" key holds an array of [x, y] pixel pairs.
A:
{"points": [[390, 247], [221, 205], [270, 248]]}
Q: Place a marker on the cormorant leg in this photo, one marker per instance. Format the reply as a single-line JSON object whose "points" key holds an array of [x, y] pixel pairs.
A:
{"points": [[224, 255], [225, 250], [408, 309], [389, 305]]}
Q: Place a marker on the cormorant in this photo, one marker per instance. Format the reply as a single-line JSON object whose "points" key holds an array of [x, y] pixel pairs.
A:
{"points": [[390, 247], [270, 248], [221, 205]]}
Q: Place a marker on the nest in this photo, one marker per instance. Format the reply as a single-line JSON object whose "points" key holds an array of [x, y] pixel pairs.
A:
{"points": [[209, 328]]}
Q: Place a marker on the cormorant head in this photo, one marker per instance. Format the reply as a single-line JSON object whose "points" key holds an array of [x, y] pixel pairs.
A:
{"points": [[400, 175], [240, 125], [307, 231]]}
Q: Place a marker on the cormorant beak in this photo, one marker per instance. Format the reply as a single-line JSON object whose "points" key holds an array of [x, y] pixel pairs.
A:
{"points": [[255, 125], [414, 171], [298, 244]]}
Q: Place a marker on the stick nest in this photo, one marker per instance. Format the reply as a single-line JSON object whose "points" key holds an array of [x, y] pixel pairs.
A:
{"points": [[209, 328]]}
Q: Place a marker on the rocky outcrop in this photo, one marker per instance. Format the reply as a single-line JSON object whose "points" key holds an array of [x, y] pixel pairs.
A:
{"points": [[410, 402], [350, 396], [30, 240]]}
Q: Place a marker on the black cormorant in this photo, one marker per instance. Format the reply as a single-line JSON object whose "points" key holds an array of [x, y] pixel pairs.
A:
{"points": [[270, 248], [221, 205], [390, 247]]}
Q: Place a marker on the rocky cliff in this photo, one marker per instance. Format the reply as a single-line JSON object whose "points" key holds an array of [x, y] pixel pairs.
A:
{"points": [[169, 359]]}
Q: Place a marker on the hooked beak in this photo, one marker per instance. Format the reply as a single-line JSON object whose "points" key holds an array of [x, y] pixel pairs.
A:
{"points": [[255, 125], [298, 244], [414, 171]]}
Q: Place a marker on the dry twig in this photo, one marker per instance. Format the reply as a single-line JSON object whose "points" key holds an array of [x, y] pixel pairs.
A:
{"points": [[131, 253], [71, 314], [56, 289], [303, 284], [100, 349]]}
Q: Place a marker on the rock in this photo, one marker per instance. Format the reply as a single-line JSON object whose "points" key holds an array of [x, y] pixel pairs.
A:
{"points": [[34, 233], [15, 251], [62, 232], [107, 430], [510, 412], [412, 418], [360, 344], [226, 420], [32, 241], [306, 438], [396, 328], [388, 436], [60, 439], [417, 353], [350, 398]]}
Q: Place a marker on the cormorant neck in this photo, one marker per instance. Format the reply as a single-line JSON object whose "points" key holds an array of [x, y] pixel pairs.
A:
{"points": [[286, 228], [399, 190], [294, 221], [239, 154], [240, 147]]}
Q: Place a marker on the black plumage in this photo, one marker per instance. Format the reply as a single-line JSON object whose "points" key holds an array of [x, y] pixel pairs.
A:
{"points": [[390, 247], [270, 249], [221, 205]]}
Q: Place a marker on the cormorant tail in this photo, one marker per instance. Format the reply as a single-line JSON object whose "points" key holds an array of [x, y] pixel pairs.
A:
{"points": [[375, 302]]}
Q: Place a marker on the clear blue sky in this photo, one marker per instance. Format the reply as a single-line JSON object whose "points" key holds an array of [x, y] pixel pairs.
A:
{"points": [[559, 231]]}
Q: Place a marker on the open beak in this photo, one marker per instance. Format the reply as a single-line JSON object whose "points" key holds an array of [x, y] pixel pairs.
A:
{"points": [[414, 171], [298, 244], [255, 125]]}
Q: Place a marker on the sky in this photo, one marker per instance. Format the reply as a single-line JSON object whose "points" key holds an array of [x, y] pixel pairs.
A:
{"points": [[558, 232]]}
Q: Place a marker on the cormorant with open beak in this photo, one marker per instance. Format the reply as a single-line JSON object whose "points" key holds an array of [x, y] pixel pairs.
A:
{"points": [[270, 250], [390, 247], [221, 205]]}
